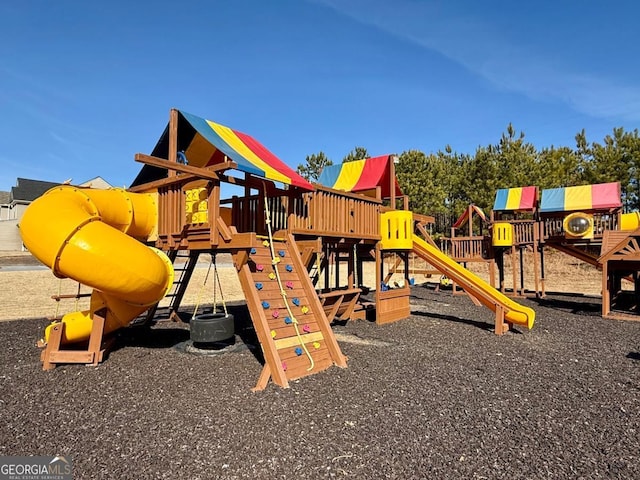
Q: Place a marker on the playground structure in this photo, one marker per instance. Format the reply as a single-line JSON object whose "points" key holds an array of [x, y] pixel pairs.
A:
{"points": [[585, 222], [124, 245]]}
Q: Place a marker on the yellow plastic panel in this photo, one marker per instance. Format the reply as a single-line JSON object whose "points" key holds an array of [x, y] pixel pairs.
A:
{"points": [[630, 221], [502, 234], [396, 230]]}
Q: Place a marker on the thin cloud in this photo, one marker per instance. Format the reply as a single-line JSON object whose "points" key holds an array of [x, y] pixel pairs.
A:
{"points": [[499, 60]]}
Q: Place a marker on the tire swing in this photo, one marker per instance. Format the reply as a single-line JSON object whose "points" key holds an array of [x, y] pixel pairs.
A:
{"points": [[215, 328]]}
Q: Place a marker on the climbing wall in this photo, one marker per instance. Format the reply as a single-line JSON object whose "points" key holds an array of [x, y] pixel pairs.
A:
{"points": [[293, 330]]}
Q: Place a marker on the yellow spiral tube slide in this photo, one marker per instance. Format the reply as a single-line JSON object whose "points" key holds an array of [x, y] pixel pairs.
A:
{"points": [[93, 237]]}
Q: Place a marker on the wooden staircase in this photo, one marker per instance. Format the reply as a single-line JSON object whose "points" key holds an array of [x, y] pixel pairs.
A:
{"points": [[289, 320]]}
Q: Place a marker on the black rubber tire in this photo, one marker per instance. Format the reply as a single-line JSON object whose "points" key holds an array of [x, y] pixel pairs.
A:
{"points": [[211, 328]]}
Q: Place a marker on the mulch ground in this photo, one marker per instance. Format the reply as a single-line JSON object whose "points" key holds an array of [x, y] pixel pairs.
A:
{"points": [[433, 396]]}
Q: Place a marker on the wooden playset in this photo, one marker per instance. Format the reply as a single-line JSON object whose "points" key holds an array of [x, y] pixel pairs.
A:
{"points": [[283, 241], [585, 222]]}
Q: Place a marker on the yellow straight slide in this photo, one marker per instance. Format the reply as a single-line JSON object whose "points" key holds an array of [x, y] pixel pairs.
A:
{"points": [[93, 237], [474, 285]]}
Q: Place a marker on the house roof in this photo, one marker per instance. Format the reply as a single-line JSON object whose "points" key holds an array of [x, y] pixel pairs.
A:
{"points": [[5, 197], [203, 143], [28, 190], [97, 182]]}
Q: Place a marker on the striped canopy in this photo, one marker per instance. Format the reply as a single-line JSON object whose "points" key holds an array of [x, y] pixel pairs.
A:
{"points": [[584, 197], [521, 199], [204, 143], [361, 175]]}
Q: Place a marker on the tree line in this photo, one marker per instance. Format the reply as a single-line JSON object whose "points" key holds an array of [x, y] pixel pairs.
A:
{"points": [[444, 183]]}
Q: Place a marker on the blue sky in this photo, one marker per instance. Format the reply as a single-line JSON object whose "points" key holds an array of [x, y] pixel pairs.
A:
{"points": [[86, 85]]}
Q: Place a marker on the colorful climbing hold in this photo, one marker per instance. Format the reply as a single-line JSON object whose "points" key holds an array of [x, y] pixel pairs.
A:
{"points": [[306, 328], [298, 351], [316, 345], [253, 251], [275, 314], [289, 284], [272, 276], [284, 366], [265, 243], [265, 304], [288, 320], [289, 268], [259, 286], [281, 253], [273, 334], [259, 267], [304, 310], [296, 301], [275, 261]]}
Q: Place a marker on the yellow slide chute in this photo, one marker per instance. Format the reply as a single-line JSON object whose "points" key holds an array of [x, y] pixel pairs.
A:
{"points": [[485, 293], [93, 237]]}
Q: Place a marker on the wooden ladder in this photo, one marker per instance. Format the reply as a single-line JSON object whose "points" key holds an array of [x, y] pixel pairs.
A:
{"points": [[184, 263]]}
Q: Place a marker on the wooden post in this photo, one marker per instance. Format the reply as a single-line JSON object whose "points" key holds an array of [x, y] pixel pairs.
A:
{"points": [[97, 330], [514, 271], [351, 267], [392, 181], [53, 345], [173, 140], [606, 294], [536, 258], [501, 327]]}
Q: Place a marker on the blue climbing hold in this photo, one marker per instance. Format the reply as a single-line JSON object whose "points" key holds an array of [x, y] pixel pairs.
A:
{"points": [[383, 287], [281, 253], [253, 251], [259, 286], [288, 320], [296, 301], [289, 268], [298, 351], [265, 304]]}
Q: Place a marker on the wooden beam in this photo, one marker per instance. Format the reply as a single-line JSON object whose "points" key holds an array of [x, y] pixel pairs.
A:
{"points": [[224, 230], [156, 184], [208, 173]]}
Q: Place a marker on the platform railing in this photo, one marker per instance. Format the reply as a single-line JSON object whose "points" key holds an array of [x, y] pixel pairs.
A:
{"points": [[554, 226], [328, 212], [523, 232], [468, 248], [323, 212]]}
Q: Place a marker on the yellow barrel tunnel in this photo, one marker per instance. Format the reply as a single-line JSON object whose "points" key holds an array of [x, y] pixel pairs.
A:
{"points": [[93, 237]]}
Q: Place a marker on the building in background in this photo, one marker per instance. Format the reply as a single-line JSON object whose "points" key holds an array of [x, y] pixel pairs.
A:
{"points": [[14, 203]]}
